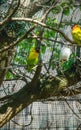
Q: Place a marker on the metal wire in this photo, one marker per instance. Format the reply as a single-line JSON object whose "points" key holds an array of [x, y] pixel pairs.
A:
{"points": [[48, 115]]}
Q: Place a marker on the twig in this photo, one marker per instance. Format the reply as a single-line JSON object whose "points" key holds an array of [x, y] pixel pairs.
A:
{"points": [[23, 124], [72, 110], [7, 19], [43, 38], [43, 25], [48, 11], [5, 97], [20, 75], [38, 23], [17, 41], [79, 127]]}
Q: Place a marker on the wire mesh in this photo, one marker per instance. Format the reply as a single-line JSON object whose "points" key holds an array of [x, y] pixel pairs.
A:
{"points": [[51, 115]]}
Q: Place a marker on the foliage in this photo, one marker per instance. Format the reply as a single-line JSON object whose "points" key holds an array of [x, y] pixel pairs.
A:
{"points": [[48, 29], [65, 8]]}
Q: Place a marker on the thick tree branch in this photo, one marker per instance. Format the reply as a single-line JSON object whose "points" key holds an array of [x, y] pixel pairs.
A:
{"points": [[38, 89]]}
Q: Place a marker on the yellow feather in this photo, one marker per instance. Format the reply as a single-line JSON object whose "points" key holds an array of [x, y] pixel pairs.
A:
{"points": [[33, 54], [76, 34], [32, 59]]}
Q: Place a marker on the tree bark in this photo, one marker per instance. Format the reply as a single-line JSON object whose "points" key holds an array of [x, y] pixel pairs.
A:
{"points": [[6, 40], [37, 90]]}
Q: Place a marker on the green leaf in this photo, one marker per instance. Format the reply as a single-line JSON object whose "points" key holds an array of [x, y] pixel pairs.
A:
{"points": [[9, 75], [67, 11], [80, 7], [68, 64], [43, 49], [56, 10]]}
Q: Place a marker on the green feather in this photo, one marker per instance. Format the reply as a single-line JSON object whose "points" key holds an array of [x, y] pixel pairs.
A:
{"points": [[31, 64]]}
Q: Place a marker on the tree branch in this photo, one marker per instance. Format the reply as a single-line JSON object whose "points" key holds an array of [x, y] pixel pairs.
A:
{"points": [[43, 25], [26, 34], [11, 13], [37, 90], [78, 117], [17, 41], [34, 7]]}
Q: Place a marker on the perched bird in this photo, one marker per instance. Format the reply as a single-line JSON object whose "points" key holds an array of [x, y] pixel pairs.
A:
{"points": [[76, 34], [32, 59], [65, 53]]}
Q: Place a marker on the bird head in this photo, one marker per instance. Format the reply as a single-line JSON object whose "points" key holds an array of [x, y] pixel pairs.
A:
{"points": [[75, 28], [37, 49]]}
